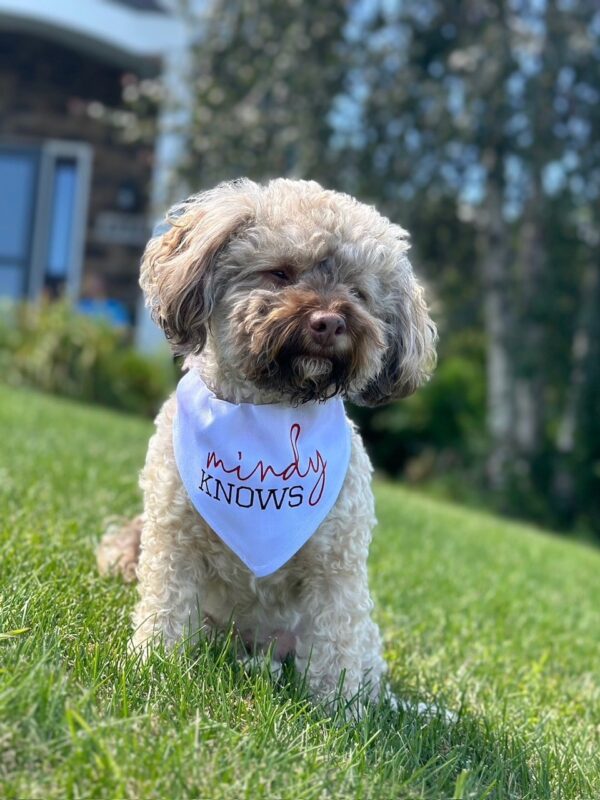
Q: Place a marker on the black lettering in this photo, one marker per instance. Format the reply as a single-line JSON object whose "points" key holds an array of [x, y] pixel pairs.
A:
{"points": [[296, 494], [220, 488], [241, 489], [204, 483], [271, 495]]}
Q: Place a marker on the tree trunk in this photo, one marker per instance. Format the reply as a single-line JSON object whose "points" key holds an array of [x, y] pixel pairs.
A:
{"points": [[498, 322], [581, 364], [529, 382]]}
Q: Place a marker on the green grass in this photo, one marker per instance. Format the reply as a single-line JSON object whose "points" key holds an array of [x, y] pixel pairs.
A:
{"points": [[496, 621]]}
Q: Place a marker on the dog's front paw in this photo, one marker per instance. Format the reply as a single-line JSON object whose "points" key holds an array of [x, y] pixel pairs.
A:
{"points": [[260, 663], [141, 644]]}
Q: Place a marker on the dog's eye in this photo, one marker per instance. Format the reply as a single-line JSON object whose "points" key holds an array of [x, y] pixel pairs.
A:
{"points": [[280, 274], [357, 293]]}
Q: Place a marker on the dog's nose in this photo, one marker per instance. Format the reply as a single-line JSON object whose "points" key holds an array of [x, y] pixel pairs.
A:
{"points": [[325, 326]]}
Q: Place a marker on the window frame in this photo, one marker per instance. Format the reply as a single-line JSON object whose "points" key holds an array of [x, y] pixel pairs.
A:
{"points": [[45, 155], [52, 151]]}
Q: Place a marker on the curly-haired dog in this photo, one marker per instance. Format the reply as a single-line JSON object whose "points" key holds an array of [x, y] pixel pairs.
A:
{"points": [[287, 295]]}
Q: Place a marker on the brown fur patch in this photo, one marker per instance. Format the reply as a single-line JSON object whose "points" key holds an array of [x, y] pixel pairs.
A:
{"points": [[275, 335]]}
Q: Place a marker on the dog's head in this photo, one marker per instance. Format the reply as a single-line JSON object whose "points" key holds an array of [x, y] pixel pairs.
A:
{"points": [[302, 290]]}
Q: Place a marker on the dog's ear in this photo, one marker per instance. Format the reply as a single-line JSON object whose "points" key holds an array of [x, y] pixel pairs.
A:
{"points": [[177, 267], [411, 335]]}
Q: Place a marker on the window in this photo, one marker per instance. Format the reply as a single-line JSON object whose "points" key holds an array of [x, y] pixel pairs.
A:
{"points": [[18, 178], [43, 211], [64, 190]]}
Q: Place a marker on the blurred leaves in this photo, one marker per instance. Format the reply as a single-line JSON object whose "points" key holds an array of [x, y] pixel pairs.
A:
{"points": [[51, 347], [264, 76], [476, 125]]}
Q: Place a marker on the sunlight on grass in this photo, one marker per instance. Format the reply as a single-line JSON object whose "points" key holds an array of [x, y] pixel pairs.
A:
{"points": [[494, 621]]}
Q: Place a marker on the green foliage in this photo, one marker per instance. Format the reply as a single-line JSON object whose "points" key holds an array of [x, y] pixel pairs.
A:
{"points": [[53, 348], [441, 426], [475, 125], [479, 126], [495, 621]]}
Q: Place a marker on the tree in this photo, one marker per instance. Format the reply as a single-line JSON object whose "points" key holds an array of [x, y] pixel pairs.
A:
{"points": [[264, 78], [485, 102], [474, 123]]}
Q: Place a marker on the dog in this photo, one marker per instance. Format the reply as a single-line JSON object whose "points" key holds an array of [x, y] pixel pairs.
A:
{"points": [[286, 295]]}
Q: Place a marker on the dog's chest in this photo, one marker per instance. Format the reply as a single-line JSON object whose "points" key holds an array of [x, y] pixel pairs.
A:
{"points": [[261, 609]]}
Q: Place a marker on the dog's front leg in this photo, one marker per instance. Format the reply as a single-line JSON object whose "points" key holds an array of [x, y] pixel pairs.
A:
{"points": [[169, 587], [339, 645], [170, 574]]}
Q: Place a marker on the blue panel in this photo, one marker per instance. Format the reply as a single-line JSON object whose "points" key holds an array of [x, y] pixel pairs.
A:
{"points": [[11, 281], [64, 191], [17, 182]]}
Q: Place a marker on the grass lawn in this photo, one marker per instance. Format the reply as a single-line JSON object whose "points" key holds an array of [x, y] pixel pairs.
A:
{"points": [[499, 622]]}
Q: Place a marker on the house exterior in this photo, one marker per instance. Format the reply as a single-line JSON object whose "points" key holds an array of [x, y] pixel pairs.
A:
{"points": [[77, 199]]}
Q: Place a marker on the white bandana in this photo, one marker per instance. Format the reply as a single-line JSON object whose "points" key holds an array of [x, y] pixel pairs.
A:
{"points": [[264, 477]]}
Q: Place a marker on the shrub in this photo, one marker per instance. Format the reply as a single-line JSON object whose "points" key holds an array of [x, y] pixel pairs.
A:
{"points": [[439, 429], [49, 346]]}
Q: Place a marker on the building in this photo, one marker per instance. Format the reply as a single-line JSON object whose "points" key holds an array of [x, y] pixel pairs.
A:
{"points": [[77, 199]]}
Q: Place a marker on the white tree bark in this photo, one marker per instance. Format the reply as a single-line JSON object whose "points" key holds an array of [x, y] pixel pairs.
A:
{"points": [[529, 384], [497, 318]]}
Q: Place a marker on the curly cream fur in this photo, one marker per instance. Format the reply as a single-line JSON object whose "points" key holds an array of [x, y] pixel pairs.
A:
{"points": [[209, 282]]}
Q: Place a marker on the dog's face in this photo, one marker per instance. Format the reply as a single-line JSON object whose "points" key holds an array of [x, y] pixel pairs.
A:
{"points": [[302, 290]]}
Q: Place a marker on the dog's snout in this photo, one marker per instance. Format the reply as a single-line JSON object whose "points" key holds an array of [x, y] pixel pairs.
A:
{"points": [[325, 327]]}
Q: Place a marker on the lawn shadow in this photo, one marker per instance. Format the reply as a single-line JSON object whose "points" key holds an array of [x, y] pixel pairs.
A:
{"points": [[414, 746]]}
